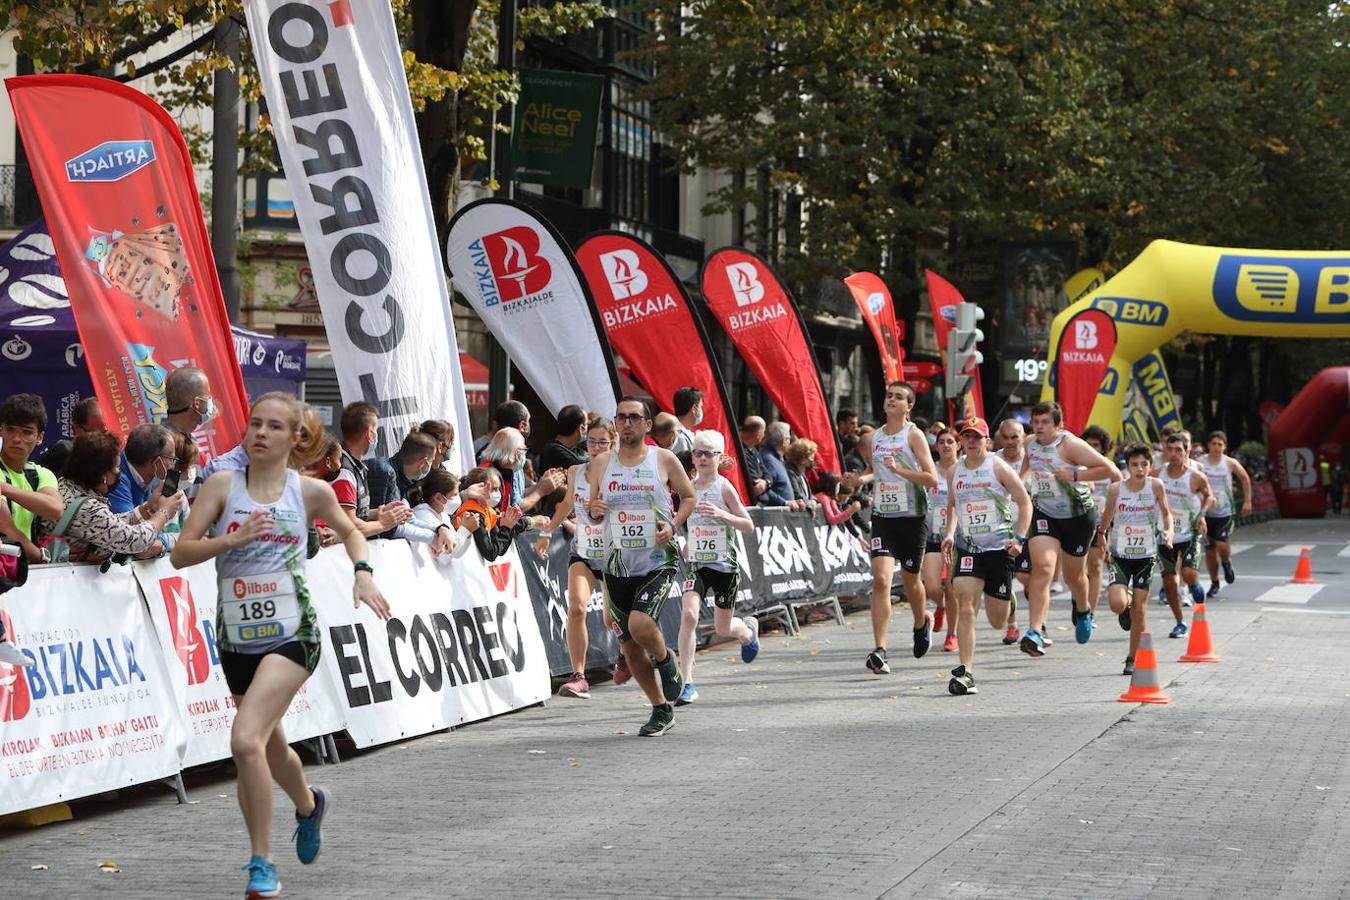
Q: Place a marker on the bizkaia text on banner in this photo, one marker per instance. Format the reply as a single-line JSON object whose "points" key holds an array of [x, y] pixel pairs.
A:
{"points": [[1081, 362], [765, 325], [182, 605], [463, 643], [338, 97], [652, 325], [96, 710], [125, 218], [874, 302], [526, 286]]}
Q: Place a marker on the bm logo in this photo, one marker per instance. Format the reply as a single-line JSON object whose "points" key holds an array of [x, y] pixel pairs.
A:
{"points": [[259, 632], [1283, 289], [1128, 309]]}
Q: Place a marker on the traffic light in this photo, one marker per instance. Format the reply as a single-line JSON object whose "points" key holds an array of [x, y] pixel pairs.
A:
{"points": [[963, 357]]}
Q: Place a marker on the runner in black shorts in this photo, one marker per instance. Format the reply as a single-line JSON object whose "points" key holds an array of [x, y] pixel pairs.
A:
{"points": [[1135, 508], [937, 581], [1011, 445], [901, 470]]}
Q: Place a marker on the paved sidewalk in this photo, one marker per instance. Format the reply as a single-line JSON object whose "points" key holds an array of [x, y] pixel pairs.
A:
{"points": [[805, 776]]}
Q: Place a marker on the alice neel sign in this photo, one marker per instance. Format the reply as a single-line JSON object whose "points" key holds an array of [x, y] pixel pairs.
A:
{"points": [[553, 141]]}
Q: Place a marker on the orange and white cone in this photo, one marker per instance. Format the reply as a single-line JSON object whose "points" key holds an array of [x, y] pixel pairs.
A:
{"points": [[1200, 648], [1144, 687], [1303, 569]]}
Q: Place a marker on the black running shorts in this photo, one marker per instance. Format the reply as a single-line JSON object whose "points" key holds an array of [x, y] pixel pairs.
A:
{"points": [[1187, 552], [1219, 528], [902, 538], [724, 586], [590, 564], [993, 567], [642, 593], [239, 668], [1135, 574], [1074, 534]]}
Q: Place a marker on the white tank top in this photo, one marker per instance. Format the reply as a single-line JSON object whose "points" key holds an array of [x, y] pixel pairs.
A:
{"points": [[588, 541], [263, 599], [1184, 503], [937, 507], [639, 501], [984, 518], [1221, 483], [893, 496], [1134, 530], [1051, 496], [712, 545]]}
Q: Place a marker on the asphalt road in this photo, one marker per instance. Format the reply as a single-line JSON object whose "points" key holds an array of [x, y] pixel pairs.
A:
{"points": [[805, 776]]}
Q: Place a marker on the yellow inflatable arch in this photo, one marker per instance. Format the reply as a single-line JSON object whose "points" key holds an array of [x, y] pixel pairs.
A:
{"points": [[1173, 287]]}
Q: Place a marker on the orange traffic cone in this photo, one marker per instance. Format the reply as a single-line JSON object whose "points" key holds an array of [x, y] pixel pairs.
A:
{"points": [[1200, 648], [1303, 571], [1144, 682]]}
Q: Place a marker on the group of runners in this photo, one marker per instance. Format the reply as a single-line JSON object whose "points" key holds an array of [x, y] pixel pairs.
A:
{"points": [[960, 527]]}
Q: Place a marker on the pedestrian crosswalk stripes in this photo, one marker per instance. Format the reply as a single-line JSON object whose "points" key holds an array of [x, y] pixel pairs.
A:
{"points": [[1291, 549], [1290, 593]]}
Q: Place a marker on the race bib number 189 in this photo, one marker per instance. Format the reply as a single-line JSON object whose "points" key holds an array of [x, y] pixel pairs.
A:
{"points": [[260, 609]]}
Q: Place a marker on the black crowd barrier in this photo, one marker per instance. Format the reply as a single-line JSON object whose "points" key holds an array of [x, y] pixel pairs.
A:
{"points": [[791, 556]]}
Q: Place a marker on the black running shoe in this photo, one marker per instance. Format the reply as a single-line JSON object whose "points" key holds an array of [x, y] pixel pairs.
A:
{"points": [[1124, 619], [923, 637], [1129, 666], [671, 683], [1213, 590], [1228, 574], [876, 661], [662, 720], [962, 682]]}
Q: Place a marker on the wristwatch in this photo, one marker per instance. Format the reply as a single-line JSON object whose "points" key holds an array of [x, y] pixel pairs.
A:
{"points": [[362, 566], [1020, 538]]}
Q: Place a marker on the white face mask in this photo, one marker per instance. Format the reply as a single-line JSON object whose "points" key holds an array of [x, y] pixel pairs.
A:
{"points": [[423, 472], [210, 412], [452, 504], [495, 499], [698, 417]]}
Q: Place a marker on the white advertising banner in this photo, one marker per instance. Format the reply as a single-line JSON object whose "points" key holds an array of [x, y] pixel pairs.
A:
{"points": [[338, 98], [182, 605], [527, 288], [462, 644], [98, 710]]}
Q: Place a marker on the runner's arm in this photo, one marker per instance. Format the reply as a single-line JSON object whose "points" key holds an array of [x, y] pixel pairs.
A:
{"points": [[1096, 467], [1200, 484], [1241, 472], [1112, 497], [1160, 495], [950, 534], [193, 546], [593, 475], [1018, 492], [562, 510], [735, 514], [927, 476], [679, 482]]}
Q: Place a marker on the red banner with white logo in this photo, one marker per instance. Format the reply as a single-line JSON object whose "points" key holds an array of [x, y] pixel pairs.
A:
{"points": [[646, 314], [944, 297], [767, 328], [874, 302], [526, 286], [125, 215], [1084, 355]]}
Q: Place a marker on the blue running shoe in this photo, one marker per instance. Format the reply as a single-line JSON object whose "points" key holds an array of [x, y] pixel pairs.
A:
{"points": [[751, 650], [687, 694], [1032, 643], [262, 879], [308, 835], [1178, 630], [1082, 626]]}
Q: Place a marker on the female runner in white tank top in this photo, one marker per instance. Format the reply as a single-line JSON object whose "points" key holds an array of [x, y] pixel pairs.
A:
{"points": [[711, 564], [937, 583], [586, 561], [266, 627]]}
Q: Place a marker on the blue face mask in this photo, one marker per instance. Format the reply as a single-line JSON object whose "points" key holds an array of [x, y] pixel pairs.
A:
{"points": [[698, 418]]}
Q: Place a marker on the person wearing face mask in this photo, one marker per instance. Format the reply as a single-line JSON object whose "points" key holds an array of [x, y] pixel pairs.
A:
{"points": [[435, 500], [187, 394], [444, 435], [89, 530], [492, 532], [147, 458], [392, 478], [505, 455], [688, 409], [569, 447]]}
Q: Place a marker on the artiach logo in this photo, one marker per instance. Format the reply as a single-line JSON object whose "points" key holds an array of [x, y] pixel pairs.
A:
{"points": [[188, 642], [14, 696], [517, 267], [623, 271], [745, 283]]}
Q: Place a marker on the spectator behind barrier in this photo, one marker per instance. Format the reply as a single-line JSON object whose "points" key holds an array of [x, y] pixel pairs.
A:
{"points": [[665, 429], [776, 438], [511, 414], [360, 424], [435, 499], [147, 459], [391, 479], [688, 408], [752, 436], [88, 530], [846, 422], [481, 492], [569, 447], [28, 489], [505, 453], [827, 495], [187, 394], [325, 468], [799, 457], [86, 417], [444, 434]]}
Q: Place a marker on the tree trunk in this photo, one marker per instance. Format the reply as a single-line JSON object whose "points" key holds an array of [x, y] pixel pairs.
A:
{"points": [[441, 37]]}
